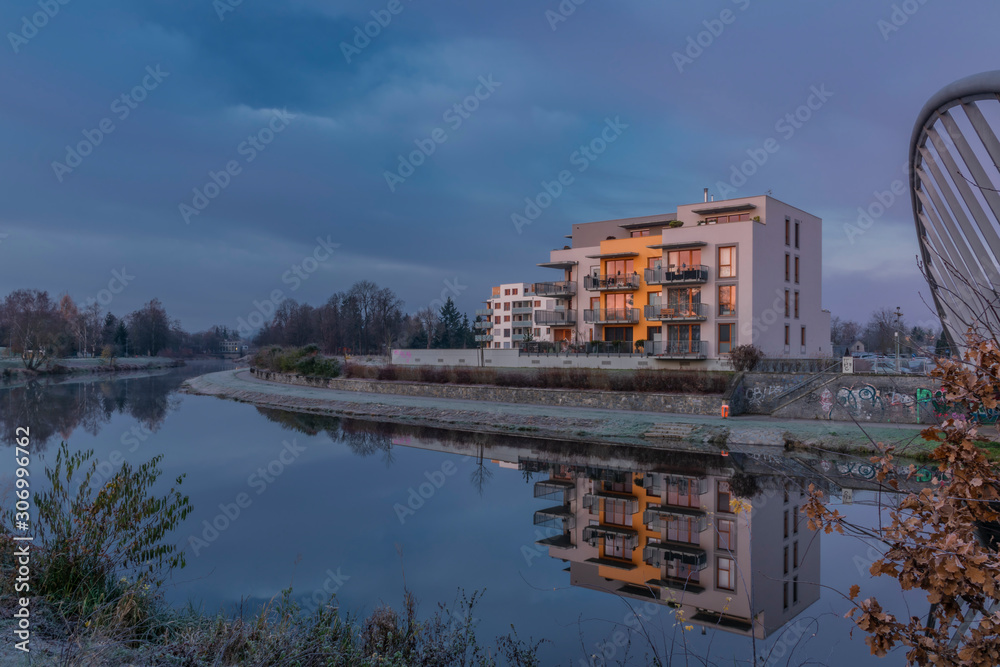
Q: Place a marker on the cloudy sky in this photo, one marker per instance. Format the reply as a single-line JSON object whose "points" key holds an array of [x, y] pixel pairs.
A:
{"points": [[206, 147]]}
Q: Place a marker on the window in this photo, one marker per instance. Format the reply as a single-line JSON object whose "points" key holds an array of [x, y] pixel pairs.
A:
{"points": [[722, 498], [803, 343], [684, 338], [787, 306], [796, 234], [795, 590], [786, 494], [506, 333], [506, 306], [684, 300], [795, 520], [682, 492], [726, 338], [497, 320], [640, 232], [785, 569], [688, 573], [618, 546], [507, 292], [796, 270], [514, 292], [683, 530], [538, 332], [616, 267], [538, 303], [736, 217], [727, 300], [788, 267], [788, 227], [796, 305], [724, 575], [787, 335], [727, 262], [785, 603], [786, 523], [724, 537], [616, 512], [795, 555], [683, 258], [654, 262], [506, 318]]}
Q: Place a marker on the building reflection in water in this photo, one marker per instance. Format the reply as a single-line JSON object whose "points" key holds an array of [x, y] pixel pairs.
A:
{"points": [[679, 535]]}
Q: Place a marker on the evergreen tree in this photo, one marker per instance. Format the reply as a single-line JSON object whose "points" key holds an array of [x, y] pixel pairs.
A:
{"points": [[451, 327]]}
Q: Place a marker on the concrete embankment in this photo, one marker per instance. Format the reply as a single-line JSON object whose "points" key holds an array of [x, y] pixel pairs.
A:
{"points": [[598, 425]]}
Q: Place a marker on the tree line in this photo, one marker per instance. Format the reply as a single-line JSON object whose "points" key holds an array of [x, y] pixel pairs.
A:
{"points": [[366, 319], [39, 328], [878, 334]]}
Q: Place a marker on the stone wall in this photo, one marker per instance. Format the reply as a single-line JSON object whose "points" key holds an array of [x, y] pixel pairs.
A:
{"points": [[611, 400], [513, 359], [897, 399]]}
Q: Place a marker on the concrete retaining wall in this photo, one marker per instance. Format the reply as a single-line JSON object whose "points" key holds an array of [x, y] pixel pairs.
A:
{"points": [[513, 359], [867, 398], [610, 400]]}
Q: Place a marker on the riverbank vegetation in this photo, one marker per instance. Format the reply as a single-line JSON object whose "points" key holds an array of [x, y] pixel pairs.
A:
{"points": [[103, 551]]}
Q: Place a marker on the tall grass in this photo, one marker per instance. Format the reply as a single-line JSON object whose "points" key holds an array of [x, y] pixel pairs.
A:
{"points": [[302, 360]]}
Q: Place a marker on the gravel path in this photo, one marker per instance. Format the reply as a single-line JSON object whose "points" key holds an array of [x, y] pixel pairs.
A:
{"points": [[563, 423]]}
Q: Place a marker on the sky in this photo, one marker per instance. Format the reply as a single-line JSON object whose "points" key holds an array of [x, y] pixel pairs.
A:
{"points": [[211, 153]]}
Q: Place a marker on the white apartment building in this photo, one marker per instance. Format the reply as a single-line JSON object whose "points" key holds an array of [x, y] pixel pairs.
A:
{"points": [[508, 320]]}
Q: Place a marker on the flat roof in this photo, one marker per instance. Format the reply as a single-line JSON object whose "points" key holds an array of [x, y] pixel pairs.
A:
{"points": [[567, 264], [678, 246], [725, 209], [613, 255]]}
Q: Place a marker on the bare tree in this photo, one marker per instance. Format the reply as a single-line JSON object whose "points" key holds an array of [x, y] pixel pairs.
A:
{"points": [[33, 322], [429, 320]]}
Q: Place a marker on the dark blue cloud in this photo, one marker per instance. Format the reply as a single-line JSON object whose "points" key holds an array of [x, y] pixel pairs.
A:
{"points": [[450, 220]]}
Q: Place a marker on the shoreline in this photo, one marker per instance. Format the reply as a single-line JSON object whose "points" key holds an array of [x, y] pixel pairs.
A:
{"points": [[597, 426]]}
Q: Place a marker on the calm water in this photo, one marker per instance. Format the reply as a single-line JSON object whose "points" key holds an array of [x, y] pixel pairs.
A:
{"points": [[328, 504]]}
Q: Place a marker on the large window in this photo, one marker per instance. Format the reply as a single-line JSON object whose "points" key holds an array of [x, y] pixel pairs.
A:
{"points": [[682, 492], [727, 262], [619, 267], [796, 305], [723, 498], [787, 306], [796, 234], [682, 300], [684, 337], [788, 231], [683, 530], [618, 546], [796, 270], [787, 335], [725, 535], [803, 343], [735, 217], [680, 259], [726, 338], [788, 267], [615, 511], [727, 300], [636, 233], [725, 577]]}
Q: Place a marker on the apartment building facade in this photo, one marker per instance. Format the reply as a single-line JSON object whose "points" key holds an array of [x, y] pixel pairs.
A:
{"points": [[694, 283], [509, 318]]}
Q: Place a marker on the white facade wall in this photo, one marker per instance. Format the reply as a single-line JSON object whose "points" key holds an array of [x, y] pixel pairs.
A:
{"points": [[508, 324]]}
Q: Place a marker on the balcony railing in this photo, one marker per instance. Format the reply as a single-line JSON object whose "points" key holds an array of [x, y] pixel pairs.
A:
{"points": [[517, 338], [524, 310], [681, 349], [678, 312], [621, 282], [612, 316], [485, 324], [660, 553], [484, 338], [556, 489], [484, 312], [689, 275], [559, 289], [559, 517], [593, 535], [555, 318]]}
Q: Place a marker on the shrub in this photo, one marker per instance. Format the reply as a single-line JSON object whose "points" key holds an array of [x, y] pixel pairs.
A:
{"points": [[464, 376], [434, 374], [386, 373], [354, 371], [621, 381], [674, 224], [746, 357]]}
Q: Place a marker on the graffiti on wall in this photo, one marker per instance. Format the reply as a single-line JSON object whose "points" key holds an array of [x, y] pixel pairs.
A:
{"points": [[868, 402], [760, 394], [941, 408]]}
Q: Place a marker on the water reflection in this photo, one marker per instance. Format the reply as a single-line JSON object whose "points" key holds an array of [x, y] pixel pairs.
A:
{"points": [[55, 408], [679, 534]]}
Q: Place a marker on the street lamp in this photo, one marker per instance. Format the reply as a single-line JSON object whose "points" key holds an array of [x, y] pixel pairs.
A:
{"points": [[899, 316]]}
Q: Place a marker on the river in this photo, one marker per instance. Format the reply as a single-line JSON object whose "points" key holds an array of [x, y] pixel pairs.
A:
{"points": [[320, 505]]}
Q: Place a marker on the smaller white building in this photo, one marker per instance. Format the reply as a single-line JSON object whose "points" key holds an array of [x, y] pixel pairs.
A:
{"points": [[509, 320]]}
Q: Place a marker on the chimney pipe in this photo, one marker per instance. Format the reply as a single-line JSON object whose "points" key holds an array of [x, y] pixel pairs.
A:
{"points": [[706, 195]]}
